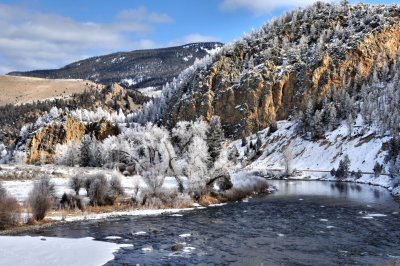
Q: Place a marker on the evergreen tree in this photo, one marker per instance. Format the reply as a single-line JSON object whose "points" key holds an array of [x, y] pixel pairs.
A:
{"points": [[344, 168], [377, 169], [85, 151], [215, 137]]}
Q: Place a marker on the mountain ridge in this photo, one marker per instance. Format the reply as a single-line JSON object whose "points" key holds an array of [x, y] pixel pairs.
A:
{"points": [[133, 69]]}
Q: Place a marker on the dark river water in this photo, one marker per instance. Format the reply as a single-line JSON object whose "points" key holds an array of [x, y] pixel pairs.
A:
{"points": [[303, 223]]}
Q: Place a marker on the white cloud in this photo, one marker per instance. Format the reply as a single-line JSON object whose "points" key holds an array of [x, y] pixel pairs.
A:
{"points": [[31, 40], [259, 7], [192, 38], [141, 14]]}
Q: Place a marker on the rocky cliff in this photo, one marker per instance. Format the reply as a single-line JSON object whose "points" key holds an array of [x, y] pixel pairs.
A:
{"points": [[271, 73], [40, 147]]}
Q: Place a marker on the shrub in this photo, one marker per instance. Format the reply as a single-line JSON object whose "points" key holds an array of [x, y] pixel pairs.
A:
{"points": [[116, 186], [76, 183], [9, 209], [102, 192], [98, 191], [273, 128], [41, 198], [244, 186], [71, 202]]}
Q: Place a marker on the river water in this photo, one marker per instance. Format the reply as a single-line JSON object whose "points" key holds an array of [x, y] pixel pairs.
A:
{"points": [[303, 223]]}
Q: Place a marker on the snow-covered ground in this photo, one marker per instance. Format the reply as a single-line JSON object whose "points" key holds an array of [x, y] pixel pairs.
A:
{"points": [[151, 91], [20, 188], [100, 216], [32, 251], [314, 159]]}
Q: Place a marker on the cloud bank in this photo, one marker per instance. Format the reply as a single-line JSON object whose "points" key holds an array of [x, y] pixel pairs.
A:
{"points": [[31, 40]]}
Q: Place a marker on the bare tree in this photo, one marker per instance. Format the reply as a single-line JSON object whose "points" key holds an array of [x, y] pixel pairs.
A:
{"points": [[287, 158]]}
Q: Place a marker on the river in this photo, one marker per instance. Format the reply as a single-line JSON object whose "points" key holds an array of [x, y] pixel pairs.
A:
{"points": [[303, 223]]}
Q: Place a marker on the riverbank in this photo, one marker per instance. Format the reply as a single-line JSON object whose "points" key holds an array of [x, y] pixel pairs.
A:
{"points": [[56, 218]]}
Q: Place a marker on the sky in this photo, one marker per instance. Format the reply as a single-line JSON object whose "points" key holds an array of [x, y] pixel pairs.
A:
{"points": [[43, 34]]}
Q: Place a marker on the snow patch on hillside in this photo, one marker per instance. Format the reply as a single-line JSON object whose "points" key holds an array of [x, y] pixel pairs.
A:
{"points": [[313, 159]]}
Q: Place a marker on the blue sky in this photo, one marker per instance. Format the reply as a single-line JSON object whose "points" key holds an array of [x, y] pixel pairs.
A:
{"points": [[39, 34]]}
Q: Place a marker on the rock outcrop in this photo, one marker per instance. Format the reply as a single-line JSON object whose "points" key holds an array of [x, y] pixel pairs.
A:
{"points": [[41, 146]]}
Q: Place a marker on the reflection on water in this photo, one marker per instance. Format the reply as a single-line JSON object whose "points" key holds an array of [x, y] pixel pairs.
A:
{"points": [[352, 192]]}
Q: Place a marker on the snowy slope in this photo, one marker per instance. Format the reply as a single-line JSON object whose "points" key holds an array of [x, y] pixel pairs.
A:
{"points": [[314, 159]]}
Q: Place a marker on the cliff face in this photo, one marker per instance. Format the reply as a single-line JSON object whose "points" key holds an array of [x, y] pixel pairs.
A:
{"points": [[267, 76], [41, 146]]}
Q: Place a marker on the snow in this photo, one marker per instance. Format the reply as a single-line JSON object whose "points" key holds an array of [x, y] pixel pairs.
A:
{"points": [[376, 215], [113, 237], [101, 216], [147, 249], [188, 249], [314, 159], [26, 250], [151, 91], [20, 188]]}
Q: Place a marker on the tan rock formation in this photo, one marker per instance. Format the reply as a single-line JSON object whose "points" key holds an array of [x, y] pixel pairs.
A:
{"points": [[41, 146]]}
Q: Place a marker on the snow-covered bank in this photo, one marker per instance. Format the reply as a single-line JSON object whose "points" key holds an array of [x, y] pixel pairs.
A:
{"points": [[26, 250], [114, 214], [313, 159]]}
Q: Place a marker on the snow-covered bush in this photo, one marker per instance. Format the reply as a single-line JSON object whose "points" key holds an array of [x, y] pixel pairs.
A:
{"points": [[116, 186], [245, 185]]}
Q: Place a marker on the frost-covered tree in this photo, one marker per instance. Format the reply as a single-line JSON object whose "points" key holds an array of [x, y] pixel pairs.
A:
{"points": [[67, 154], [198, 167], [3, 153]]}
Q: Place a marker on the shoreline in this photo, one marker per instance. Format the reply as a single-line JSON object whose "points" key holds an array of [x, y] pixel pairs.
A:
{"points": [[54, 220], [101, 216]]}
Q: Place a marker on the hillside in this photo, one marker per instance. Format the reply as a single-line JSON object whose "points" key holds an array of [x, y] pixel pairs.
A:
{"points": [[284, 150], [136, 69], [271, 74], [21, 90]]}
